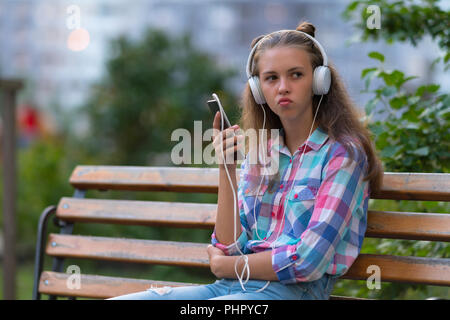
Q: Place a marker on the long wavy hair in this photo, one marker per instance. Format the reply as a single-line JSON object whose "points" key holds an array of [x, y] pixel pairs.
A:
{"points": [[338, 116]]}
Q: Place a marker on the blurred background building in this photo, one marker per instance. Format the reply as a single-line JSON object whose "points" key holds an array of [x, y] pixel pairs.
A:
{"points": [[34, 40]]}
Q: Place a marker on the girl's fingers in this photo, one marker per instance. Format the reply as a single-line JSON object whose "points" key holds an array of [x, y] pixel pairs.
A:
{"points": [[226, 142], [216, 122]]}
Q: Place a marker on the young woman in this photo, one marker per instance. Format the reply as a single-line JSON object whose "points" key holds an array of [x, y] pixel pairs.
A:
{"points": [[292, 233]]}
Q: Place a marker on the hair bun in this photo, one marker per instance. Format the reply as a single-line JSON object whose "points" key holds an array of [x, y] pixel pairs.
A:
{"points": [[255, 41], [307, 28]]}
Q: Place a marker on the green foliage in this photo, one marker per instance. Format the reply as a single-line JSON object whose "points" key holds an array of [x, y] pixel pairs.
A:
{"points": [[152, 87], [415, 135], [404, 21], [42, 179]]}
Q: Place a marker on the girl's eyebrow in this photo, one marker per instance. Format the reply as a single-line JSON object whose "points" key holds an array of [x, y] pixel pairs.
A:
{"points": [[291, 69]]}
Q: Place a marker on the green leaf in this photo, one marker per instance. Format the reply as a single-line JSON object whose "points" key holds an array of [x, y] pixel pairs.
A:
{"points": [[397, 102], [376, 55], [421, 151], [433, 87], [413, 99], [388, 91], [352, 6], [390, 151], [412, 126], [369, 76], [371, 105], [427, 88], [443, 112], [366, 71]]}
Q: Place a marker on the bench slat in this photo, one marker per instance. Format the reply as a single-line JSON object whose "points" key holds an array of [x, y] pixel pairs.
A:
{"points": [[396, 186], [148, 213], [408, 225], [99, 287], [431, 271], [103, 287], [145, 178], [381, 224], [187, 254]]}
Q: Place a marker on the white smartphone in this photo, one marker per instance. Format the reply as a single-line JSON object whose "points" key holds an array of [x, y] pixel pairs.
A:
{"points": [[215, 105]]}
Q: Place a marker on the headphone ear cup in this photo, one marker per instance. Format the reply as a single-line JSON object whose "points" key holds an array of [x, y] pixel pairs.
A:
{"points": [[256, 90], [321, 80]]}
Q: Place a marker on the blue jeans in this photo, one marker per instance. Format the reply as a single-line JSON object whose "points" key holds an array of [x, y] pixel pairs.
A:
{"points": [[228, 289]]}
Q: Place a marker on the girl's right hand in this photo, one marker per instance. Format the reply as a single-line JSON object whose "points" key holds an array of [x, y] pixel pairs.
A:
{"points": [[228, 141]]}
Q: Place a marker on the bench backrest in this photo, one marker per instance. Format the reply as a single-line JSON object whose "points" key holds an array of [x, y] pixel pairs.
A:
{"points": [[77, 209]]}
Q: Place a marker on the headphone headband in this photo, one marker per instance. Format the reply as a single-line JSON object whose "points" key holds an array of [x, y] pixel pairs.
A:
{"points": [[319, 46]]}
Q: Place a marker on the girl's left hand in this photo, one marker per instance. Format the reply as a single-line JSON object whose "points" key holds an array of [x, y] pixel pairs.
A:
{"points": [[215, 255]]}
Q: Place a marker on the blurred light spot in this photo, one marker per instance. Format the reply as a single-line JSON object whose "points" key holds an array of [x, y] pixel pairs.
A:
{"points": [[78, 40]]}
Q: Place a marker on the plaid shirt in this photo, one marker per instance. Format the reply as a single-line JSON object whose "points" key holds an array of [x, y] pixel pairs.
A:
{"points": [[325, 213]]}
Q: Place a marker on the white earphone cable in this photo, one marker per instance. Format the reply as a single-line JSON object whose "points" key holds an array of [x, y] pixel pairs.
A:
{"points": [[242, 255]]}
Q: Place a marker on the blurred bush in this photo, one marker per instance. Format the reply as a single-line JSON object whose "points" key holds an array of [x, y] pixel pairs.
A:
{"points": [[414, 133]]}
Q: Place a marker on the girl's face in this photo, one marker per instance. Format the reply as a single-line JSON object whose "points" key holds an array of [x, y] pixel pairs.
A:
{"points": [[285, 73]]}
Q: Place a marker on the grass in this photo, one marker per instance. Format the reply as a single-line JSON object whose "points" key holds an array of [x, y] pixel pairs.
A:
{"points": [[24, 281]]}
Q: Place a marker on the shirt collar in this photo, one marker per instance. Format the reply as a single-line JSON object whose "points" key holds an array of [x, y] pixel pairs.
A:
{"points": [[318, 138]]}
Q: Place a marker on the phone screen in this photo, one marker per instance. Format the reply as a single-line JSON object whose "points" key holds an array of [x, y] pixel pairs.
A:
{"points": [[214, 107]]}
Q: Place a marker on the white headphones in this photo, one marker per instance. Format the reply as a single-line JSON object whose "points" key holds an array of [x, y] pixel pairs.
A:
{"points": [[321, 75]]}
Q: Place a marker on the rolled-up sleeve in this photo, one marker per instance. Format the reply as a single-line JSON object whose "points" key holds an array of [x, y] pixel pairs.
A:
{"points": [[234, 248], [339, 199]]}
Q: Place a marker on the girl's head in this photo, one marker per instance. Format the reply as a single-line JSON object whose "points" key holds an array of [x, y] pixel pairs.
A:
{"points": [[273, 62]]}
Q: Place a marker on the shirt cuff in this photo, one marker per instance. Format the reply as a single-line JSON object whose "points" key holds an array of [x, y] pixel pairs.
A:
{"points": [[283, 263], [234, 248]]}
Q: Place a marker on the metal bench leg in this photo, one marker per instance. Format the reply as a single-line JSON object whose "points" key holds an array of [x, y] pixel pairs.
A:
{"points": [[40, 243]]}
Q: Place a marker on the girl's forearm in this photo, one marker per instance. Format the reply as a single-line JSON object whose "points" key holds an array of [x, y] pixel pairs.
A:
{"points": [[260, 266], [226, 222]]}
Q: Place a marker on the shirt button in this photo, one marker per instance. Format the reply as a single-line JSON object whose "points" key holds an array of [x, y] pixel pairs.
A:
{"points": [[296, 196], [290, 160], [294, 257], [247, 191], [281, 186]]}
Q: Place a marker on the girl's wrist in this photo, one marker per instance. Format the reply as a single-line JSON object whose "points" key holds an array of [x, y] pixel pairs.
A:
{"points": [[230, 166]]}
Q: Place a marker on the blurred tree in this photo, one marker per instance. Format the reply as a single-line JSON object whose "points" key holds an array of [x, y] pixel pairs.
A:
{"points": [[151, 88]]}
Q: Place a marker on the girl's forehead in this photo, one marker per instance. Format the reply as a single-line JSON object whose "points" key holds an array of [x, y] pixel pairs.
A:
{"points": [[283, 57]]}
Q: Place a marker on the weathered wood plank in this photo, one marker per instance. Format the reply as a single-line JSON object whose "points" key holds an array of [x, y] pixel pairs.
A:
{"points": [[431, 271], [98, 287], [381, 224], [396, 186], [103, 287]]}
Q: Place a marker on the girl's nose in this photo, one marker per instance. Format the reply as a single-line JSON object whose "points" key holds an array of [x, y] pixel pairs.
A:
{"points": [[284, 86]]}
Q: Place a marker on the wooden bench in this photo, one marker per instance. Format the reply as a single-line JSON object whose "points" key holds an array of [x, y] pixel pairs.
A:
{"points": [[78, 209]]}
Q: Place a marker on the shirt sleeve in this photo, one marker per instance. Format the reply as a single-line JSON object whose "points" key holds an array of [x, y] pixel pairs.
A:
{"points": [[239, 246], [337, 202]]}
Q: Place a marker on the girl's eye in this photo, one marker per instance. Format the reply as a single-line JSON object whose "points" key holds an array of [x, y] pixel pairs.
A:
{"points": [[270, 78], [297, 74]]}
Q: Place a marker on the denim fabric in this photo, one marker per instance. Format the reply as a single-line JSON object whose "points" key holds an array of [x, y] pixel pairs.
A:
{"points": [[228, 289]]}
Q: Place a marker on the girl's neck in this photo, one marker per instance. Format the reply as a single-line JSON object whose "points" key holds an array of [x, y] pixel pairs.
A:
{"points": [[296, 134]]}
